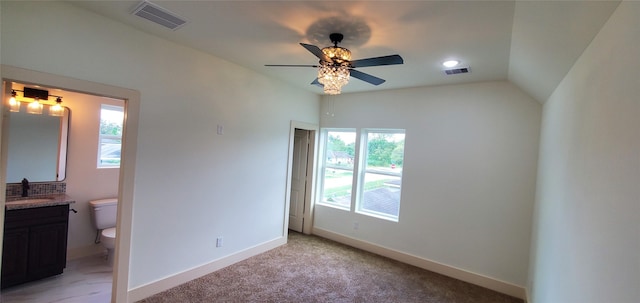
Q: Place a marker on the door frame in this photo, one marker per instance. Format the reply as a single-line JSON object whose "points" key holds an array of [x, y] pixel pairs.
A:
{"points": [[311, 175], [120, 288]]}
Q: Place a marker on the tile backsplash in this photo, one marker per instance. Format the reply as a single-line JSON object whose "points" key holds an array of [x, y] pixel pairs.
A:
{"points": [[37, 189]]}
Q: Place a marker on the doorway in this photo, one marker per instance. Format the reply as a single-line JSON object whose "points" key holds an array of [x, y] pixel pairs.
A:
{"points": [[126, 176], [300, 189]]}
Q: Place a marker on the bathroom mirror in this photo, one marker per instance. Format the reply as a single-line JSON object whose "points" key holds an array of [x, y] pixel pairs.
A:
{"points": [[37, 147]]}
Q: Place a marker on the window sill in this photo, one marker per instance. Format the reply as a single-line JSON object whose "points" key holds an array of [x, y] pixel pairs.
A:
{"points": [[379, 216], [333, 206]]}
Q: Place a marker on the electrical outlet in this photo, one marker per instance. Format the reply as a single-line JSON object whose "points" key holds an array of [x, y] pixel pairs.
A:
{"points": [[356, 225], [219, 242]]}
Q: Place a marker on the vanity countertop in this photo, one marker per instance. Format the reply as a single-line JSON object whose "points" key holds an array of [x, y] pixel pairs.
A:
{"points": [[37, 201]]}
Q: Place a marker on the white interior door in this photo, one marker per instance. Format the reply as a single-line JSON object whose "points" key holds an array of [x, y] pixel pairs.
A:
{"points": [[298, 179]]}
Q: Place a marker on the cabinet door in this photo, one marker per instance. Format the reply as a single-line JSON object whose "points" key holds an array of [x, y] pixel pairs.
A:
{"points": [[47, 250], [14, 256]]}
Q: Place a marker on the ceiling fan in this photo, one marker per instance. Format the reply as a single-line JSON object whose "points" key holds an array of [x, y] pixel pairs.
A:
{"points": [[335, 65]]}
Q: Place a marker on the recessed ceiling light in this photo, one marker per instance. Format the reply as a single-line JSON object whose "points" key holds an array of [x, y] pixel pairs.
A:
{"points": [[450, 63]]}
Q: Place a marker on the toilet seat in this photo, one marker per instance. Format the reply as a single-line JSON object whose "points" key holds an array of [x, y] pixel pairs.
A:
{"points": [[108, 237]]}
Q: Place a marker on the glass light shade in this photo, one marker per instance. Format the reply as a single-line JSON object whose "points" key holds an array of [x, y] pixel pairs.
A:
{"points": [[34, 108], [333, 78], [14, 105], [337, 53], [56, 110]]}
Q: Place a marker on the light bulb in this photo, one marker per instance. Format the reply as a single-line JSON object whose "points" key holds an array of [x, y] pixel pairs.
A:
{"points": [[56, 110], [450, 63], [34, 107], [14, 105]]}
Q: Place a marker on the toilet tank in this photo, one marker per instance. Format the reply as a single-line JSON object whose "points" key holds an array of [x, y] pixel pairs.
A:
{"points": [[104, 212]]}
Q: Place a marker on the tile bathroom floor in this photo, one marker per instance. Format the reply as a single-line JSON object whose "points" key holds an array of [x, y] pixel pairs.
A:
{"points": [[84, 280]]}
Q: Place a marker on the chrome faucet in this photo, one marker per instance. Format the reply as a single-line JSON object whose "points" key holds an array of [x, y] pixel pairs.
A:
{"points": [[25, 187]]}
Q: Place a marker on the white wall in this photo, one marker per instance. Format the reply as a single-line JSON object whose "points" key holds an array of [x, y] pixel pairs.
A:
{"points": [[191, 185], [469, 174], [586, 239]]}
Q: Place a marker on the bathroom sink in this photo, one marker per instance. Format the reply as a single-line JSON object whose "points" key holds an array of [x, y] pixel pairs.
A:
{"points": [[29, 201]]}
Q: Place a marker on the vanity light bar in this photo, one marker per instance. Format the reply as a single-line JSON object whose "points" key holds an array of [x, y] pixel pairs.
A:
{"points": [[35, 106]]}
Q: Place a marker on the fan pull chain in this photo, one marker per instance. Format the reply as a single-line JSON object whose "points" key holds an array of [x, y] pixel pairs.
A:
{"points": [[333, 107], [330, 105]]}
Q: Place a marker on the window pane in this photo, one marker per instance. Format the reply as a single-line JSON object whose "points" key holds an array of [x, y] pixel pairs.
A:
{"points": [[111, 118], [340, 149], [382, 174], [110, 152], [110, 137], [338, 168], [381, 194], [337, 187]]}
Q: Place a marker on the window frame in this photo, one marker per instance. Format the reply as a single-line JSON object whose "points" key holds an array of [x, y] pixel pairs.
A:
{"points": [[363, 170], [102, 137], [359, 170]]}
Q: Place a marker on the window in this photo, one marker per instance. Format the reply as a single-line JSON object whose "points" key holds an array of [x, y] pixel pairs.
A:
{"points": [[110, 137], [338, 168], [377, 167], [382, 173]]}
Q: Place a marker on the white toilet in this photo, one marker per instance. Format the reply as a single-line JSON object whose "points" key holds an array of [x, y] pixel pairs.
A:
{"points": [[103, 216]]}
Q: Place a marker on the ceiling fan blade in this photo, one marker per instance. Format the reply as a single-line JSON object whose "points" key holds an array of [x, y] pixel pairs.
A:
{"points": [[315, 82], [316, 51], [366, 77], [376, 61], [290, 65]]}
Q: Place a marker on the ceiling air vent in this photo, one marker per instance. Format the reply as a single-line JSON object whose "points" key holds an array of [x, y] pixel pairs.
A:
{"points": [[454, 71], [159, 15]]}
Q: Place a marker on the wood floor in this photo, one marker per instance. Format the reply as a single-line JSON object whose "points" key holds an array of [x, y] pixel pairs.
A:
{"points": [[84, 280]]}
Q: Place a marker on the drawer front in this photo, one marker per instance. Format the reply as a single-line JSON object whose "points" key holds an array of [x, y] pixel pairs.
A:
{"points": [[35, 216]]}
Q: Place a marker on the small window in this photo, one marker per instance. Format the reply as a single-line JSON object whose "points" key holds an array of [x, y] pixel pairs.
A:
{"points": [[337, 179], [381, 177], [110, 137]]}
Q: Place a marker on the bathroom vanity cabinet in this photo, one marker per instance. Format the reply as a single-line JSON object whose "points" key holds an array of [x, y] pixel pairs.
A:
{"points": [[35, 243]]}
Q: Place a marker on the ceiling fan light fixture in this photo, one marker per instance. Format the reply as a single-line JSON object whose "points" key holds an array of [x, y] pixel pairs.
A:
{"points": [[335, 66], [333, 77], [337, 54]]}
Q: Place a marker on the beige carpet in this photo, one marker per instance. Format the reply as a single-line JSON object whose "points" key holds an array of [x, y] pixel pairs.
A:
{"points": [[312, 269]]}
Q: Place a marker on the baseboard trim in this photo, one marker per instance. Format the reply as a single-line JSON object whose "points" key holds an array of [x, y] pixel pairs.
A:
{"points": [[85, 251], [152, 288], [450, 271]]}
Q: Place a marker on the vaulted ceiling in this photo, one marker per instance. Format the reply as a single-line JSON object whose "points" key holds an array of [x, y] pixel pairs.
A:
{"points": [[533, 44]]}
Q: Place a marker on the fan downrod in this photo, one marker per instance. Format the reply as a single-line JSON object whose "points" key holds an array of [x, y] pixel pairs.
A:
{"points": [[336, 38]]}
